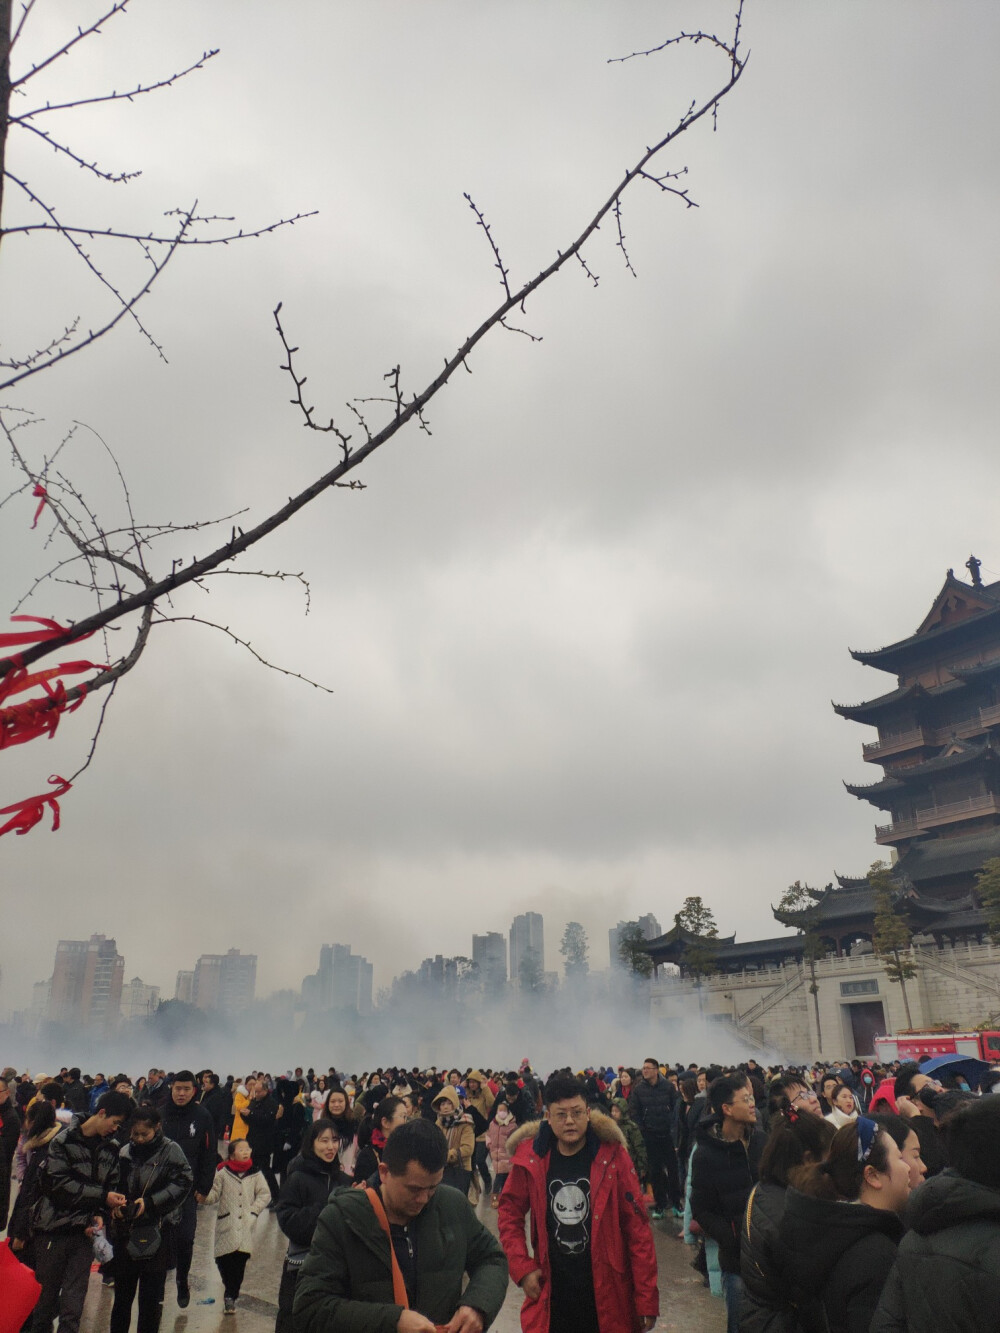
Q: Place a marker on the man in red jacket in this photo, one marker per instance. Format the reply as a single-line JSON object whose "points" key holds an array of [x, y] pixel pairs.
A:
{"points": [[593, 1269]]}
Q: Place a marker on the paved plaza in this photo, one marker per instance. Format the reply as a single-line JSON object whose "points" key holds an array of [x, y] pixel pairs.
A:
{"points": [[685, 1304]]}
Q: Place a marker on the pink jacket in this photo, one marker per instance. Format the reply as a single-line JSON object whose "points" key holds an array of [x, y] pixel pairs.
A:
{"points": [[497, 1136]]}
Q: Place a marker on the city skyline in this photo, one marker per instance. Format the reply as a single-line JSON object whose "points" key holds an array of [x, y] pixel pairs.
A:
{"points": [[225, 982]]}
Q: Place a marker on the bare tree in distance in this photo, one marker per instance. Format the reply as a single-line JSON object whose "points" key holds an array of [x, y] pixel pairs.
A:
{"points": [[115, 567]]}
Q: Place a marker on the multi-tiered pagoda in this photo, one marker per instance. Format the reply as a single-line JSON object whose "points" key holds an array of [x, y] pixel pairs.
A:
{"points": [[939, 751]]}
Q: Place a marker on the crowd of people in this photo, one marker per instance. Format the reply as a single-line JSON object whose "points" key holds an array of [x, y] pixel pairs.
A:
{"points": [[824, 1200]]}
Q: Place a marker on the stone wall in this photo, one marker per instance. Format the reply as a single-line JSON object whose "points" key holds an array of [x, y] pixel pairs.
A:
{"points": [[774, 1012]]}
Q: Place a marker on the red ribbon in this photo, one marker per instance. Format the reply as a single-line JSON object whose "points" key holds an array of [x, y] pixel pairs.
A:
{"points": [[52, 630], [29, 812], [41, 492]]}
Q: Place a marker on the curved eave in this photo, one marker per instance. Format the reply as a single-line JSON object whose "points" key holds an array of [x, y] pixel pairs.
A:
{"points": [[880, 794], [889, 657], [873, 709], [981, 671]]}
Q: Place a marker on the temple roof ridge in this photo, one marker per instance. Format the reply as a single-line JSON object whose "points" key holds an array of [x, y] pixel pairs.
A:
{"points": [[988, 595]]}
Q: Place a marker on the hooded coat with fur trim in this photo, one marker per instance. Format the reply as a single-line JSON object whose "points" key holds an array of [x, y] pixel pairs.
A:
{"points": [[622, 1256], [459, 1132]]}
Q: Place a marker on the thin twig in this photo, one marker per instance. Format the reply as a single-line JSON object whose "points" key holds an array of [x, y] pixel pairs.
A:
{"points": [[161, 619]]}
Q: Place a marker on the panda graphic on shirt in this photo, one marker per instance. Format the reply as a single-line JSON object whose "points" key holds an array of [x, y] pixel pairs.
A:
{"points": [[569, 1210]]}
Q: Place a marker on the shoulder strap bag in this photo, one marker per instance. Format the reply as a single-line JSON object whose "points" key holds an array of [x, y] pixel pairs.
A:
{"points": [[398, 1285]]}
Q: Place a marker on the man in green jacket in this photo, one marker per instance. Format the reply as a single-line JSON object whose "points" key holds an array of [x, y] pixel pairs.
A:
{"points": [[346, 1284]]}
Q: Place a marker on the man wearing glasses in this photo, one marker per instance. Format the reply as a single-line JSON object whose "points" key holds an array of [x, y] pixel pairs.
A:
{"points": [[724, 1170], [592, 1268]]}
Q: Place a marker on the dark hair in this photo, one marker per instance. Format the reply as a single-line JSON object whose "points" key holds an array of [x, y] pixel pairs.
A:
{"points": [[386, 1109], [947, 1104], [73, 1073], [114, 1103], [312, 1133], [39, 1117], [652, 1060], [903, 1083], [417, 1141], [794, 1137], [145, 1115], [53, 1092], [688, 1088], [842, 1174], [723, 1090], [897, 1127], [778, 1098], [185, 1076], [562, 1088], [971, 1141], [212, 1078]]}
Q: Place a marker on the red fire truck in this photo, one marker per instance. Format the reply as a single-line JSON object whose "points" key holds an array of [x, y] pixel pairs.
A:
{"points": [[913, 1044]]}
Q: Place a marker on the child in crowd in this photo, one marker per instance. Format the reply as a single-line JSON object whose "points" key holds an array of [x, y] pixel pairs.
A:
{"points": [[499, 1130], [240, 1194]]}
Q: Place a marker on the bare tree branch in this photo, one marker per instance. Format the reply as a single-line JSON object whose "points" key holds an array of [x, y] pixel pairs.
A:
{"points": [[403, 410], [81, 35], [161, 619], [130, 96]]}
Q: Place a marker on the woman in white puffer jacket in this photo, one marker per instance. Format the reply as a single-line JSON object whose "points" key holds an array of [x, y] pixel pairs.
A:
{"points": [[240, 1194]]}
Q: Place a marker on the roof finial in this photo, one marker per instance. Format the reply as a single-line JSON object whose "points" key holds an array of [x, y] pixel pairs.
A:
{"points": [[972, 565]]}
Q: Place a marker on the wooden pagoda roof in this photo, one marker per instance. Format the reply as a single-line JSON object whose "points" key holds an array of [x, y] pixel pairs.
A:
{"points": [[872, 710], [980, 610], [940, 858], [960, 754]]}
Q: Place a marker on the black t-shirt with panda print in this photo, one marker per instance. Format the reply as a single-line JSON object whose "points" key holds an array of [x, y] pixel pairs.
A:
{"points": [[568, 1222]]}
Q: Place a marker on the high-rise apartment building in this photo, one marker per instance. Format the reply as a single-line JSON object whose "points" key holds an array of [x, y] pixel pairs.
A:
{"points": [[225, 982], [343, 980], [527, 941], [489, 952], [86, 985], [139, 1000], [648, 924], [184, 987]]}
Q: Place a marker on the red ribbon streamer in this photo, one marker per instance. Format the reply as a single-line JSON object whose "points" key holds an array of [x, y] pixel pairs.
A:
{"points": [[29, 812], [52, 630], [39, 491]]}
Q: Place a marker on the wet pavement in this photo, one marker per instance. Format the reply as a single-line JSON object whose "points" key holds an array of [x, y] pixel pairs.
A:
{"points": [[685, 1304]]}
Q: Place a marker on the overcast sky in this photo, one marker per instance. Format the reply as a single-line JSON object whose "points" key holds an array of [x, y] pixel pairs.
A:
{"points": [[584, 638]]}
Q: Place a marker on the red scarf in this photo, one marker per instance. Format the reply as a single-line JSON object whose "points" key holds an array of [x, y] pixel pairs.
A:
{"points": [[237, 1166], [378, 1140]]}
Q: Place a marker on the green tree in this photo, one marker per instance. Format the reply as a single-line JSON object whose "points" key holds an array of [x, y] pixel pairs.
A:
{"points": [[574, 949], [699, 954], [892, 936], [175, 1020], [469, 978], [698, 920], [632, 951], [530, 976], [988, 891], [799, 904]]}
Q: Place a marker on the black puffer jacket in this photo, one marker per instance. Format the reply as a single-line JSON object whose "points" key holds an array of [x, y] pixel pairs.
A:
{"points": [[161, 1176], [303, 1197], [193, 1130], [75, 1180], [652, 1106], [836, 1258], [765, 1307], [947, 1270], [723, 1172]]}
